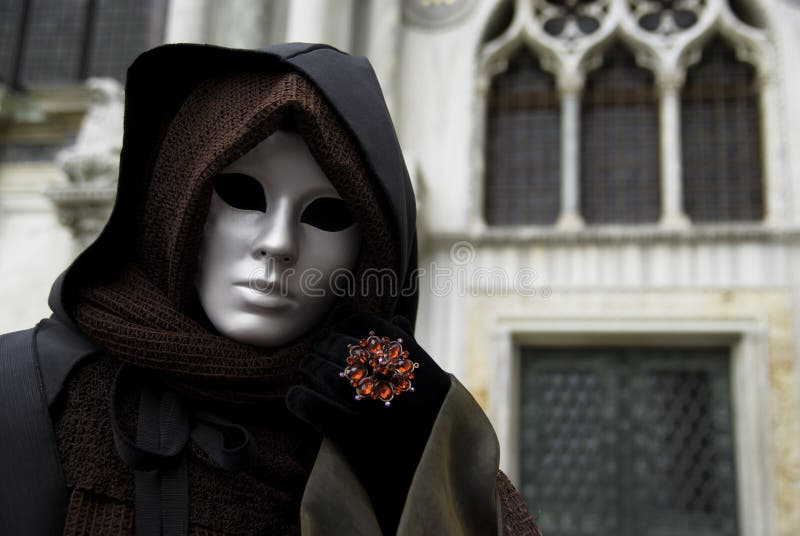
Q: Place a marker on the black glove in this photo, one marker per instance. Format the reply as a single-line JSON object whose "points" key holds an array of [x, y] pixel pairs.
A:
{"points": [[382, 443]]}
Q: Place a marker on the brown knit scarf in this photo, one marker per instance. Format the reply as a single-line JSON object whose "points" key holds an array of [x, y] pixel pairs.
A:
{"points": [[146, 316]]}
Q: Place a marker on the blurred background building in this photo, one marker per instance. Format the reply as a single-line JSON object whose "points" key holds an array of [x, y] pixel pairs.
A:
{"points": [[608, 206]]}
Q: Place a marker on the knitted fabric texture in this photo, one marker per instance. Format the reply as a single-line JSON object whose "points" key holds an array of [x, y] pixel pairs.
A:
{"points": [[146, 315], [263, 499], [517, 520]]}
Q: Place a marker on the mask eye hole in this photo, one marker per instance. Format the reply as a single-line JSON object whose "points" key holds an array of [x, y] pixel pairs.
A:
{"points": [[240, 191], [328, 213]]}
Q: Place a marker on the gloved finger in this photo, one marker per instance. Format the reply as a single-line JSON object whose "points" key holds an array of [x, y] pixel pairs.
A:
{"points": [[323, 375], [320, 412], [341, 310]]}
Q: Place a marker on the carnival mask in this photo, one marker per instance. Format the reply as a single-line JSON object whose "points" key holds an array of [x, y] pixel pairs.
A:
{"points": [[276, 235]]}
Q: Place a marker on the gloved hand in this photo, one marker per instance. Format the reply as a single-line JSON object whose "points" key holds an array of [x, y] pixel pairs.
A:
{"points": [[382, 443]]}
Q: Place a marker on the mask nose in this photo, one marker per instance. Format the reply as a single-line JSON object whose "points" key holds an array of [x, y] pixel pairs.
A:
{"points": [[277, 242]]}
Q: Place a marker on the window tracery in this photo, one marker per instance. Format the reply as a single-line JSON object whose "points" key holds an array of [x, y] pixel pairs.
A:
{"points": [[570, 19], [667, 37], [666, 17]]}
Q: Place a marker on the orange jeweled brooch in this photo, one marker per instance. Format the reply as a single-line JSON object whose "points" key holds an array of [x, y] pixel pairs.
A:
{"points": [[379, 368]]}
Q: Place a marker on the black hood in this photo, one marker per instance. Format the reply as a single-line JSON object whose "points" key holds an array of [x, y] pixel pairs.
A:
{"points": [[159, 81]]}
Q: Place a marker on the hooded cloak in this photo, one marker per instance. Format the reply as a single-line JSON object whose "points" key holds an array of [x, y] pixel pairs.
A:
{"points": [[130, 295], [145, 313]]}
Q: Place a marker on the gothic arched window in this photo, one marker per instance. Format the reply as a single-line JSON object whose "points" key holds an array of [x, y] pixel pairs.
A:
{"points": [[522, 145], [619, 142], [722, 168]]}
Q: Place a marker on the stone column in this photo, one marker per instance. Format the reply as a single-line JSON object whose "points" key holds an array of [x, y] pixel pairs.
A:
{"points": [[187, 21], [232, 23], [321, 21], [377, 34], [772, 168], [672, 214], [569, 89], [240, 23]]}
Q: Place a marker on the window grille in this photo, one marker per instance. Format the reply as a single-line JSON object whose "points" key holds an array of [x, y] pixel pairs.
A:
{"points": [[620, 143], [123, 29], [11, 14], [522, 145], [58, 41], [628, 441], [722, 169], [53, 44]]}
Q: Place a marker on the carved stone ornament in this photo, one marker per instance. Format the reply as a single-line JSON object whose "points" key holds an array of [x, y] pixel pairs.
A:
{"points": [[666, 17], [436, 13], [570, 19], [91, 164]]}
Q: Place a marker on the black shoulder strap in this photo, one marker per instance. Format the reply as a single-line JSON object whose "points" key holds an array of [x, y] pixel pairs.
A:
{"points": [[32, 487], [34, 365]]}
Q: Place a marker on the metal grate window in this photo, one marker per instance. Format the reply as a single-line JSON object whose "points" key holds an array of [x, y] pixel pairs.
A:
{"points": [[628, 441], [53, 45], [522, 145], [58, 41], [11, 14], [121, 30], [619, 143], [722, 169]]}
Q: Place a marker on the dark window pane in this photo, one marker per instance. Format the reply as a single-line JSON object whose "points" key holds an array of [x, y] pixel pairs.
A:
{"points": [[54, 41], [722, 169], [522, 145], [67, 40], [122, 30], [628, 441], [10, 20], [567, 457], [619, 143], [682, 444]]}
